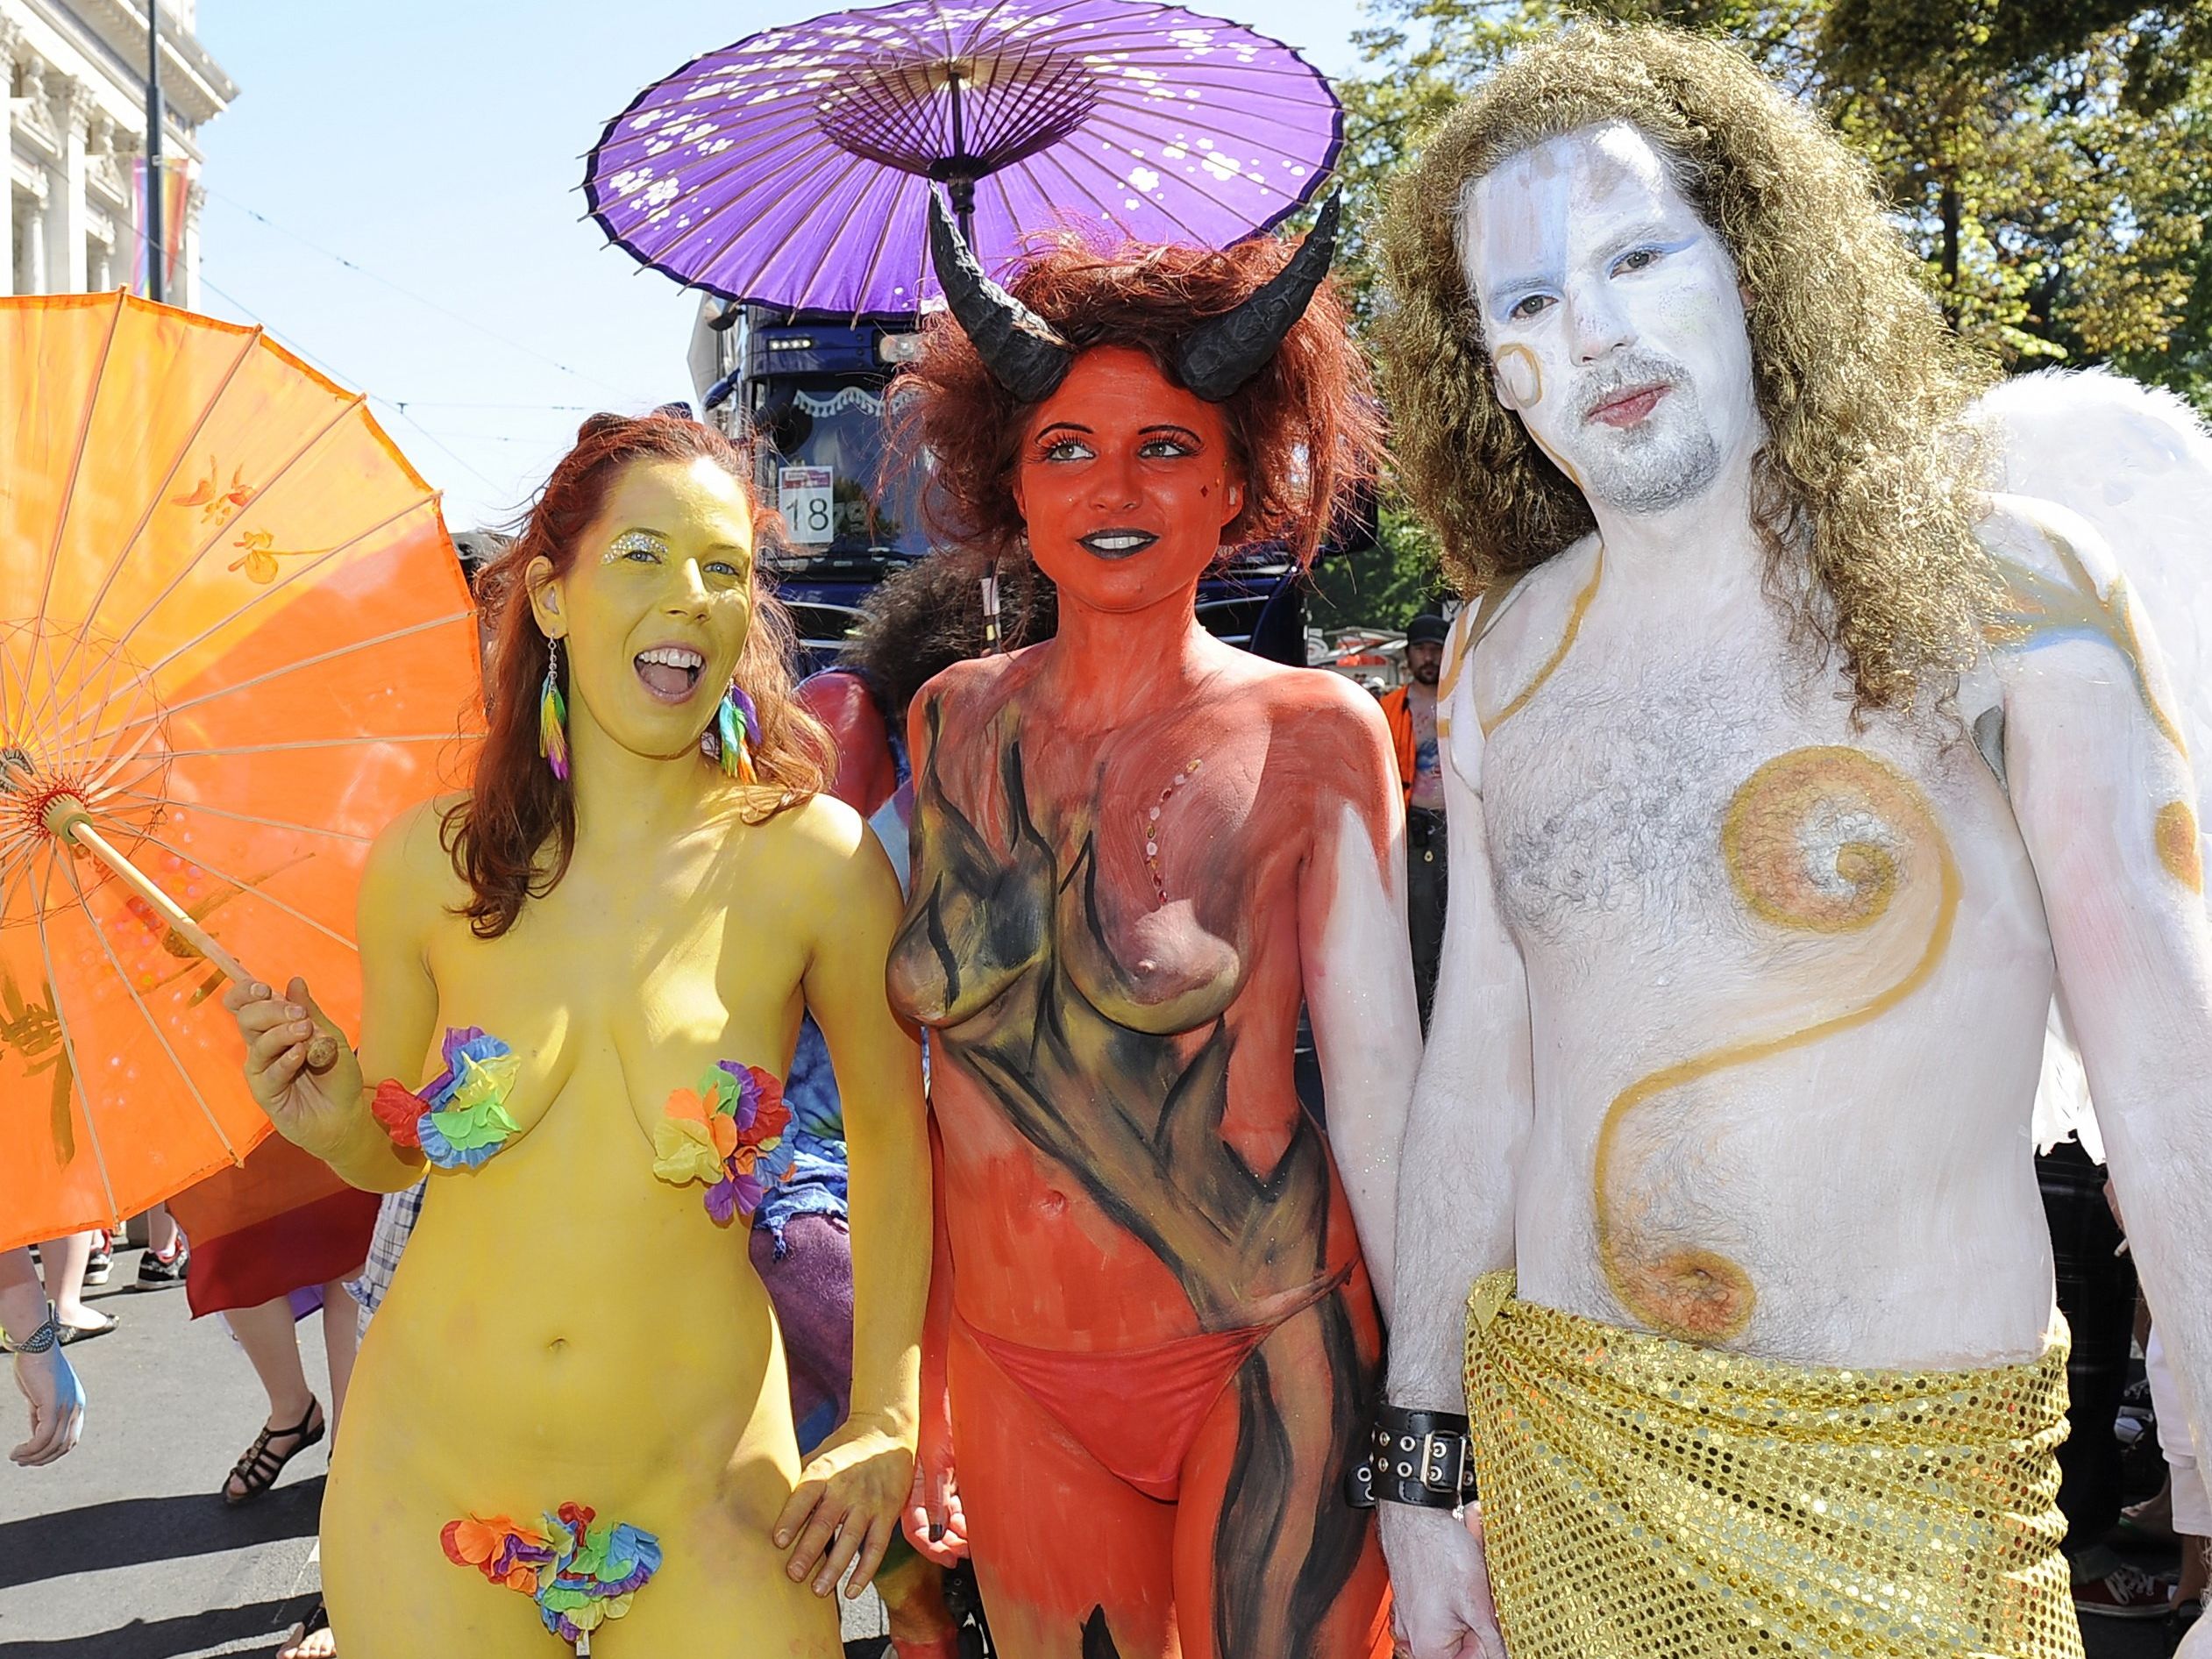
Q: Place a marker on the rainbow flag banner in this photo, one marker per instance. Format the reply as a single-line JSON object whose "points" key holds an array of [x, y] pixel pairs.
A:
{"points": [[177, 174]]}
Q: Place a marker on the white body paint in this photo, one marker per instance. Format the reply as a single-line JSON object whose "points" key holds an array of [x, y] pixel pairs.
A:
{"points": [[1875, 1182], [1366, 1032]]}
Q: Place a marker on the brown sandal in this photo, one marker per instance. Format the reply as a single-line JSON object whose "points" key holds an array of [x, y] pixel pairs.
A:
{"points": [[257, 1470]]}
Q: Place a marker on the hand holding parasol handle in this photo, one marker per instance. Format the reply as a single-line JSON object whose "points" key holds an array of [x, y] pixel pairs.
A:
{"points": [[67, 820]]}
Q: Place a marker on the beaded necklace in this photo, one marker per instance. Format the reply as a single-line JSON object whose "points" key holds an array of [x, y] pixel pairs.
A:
{"points": [[1150, 824]]}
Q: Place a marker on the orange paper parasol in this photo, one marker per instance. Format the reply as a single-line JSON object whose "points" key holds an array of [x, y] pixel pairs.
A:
{"points": [[234, 644]]}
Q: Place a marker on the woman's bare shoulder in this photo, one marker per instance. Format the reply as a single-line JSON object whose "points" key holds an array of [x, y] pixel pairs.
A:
{"points": [[977, 682], [409, 879], [1324, 704], [821, 856]]}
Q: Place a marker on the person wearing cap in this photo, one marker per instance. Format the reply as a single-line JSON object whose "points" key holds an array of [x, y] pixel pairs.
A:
{"points": [[1410, 710]]}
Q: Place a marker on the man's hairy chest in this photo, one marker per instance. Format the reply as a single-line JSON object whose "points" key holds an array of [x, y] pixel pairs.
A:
{"points": [[1655, 803]]}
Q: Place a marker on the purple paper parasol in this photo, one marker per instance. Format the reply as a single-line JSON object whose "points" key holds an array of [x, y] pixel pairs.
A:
{"points": [[793, 168]]}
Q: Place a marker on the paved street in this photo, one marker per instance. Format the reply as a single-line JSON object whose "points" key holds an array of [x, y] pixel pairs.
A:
{"points": [[124, 1550]]}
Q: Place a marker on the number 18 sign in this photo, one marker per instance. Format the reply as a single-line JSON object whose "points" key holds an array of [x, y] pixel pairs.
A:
{"points": [[803, 497]]}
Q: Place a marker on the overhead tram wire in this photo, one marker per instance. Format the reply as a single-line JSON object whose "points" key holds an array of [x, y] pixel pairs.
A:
{"points": [[408, 292], [397, 406], [340, 375]]}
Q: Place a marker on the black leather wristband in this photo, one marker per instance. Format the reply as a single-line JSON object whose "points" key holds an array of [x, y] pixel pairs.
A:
{"points": [[1417, 1457]]}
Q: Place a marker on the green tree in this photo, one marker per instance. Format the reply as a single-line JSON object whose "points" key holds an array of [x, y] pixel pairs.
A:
{"points": [[2046, 159], [1383, 588]]}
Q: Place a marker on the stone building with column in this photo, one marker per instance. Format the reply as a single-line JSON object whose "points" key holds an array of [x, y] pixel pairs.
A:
{"points": [[75, 75]]}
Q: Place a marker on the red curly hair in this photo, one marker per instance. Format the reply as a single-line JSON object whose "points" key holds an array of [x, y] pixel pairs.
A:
{"points": [[511, 837], [1304, 431]]}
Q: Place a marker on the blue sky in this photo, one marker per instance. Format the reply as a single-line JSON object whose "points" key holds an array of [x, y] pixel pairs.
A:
{"points": [[436, 145]]}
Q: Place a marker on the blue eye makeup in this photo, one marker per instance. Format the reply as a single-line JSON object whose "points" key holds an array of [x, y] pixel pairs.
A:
{"points": [[1644, 255]]}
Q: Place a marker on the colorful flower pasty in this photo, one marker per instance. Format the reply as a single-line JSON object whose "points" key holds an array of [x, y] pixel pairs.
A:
{"points": [[460, 1118], [729, 1133], [579, 1576]]}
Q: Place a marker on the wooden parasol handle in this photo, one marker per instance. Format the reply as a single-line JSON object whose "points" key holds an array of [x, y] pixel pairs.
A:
{"points": [[67, 820]]}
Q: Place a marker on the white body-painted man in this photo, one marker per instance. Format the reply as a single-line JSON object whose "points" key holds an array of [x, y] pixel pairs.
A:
{"points": [[1788, 775]]}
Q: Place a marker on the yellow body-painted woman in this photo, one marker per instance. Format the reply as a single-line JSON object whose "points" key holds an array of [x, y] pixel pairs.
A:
{"points": [[568, 1325]]}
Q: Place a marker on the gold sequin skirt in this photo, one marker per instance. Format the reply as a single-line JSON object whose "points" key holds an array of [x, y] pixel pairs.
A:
{"points": [[1644, 1498]]}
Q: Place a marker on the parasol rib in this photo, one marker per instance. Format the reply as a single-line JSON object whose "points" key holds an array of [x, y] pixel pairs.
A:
{"points": [[74, 826], [77, 1084], [161, 493], [154, 1025], [828, 245], [225, 960], [1290, 198], [183, 807], [346, 407], [162, 713], [295, 574], [313, 742], [114, 763], [801, 140], [854, 164], [101, 790], [68, 490]]}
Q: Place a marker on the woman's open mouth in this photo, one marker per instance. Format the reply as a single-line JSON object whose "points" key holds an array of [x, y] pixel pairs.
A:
{"points": [[1118, 544], [670, 672]]}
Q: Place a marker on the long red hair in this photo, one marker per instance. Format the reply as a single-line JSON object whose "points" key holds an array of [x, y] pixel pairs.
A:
{"points": [[510, 838]]}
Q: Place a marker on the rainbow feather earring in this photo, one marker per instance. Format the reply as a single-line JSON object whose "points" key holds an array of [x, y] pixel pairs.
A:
{"points": [[552, 714], [737, 733]]}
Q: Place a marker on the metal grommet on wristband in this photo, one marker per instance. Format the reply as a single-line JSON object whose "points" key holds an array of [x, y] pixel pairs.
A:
{"points": [[1417, 1457]]}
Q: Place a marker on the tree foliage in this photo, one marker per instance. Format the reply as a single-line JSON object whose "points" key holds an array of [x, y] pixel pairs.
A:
{"points": [[2051, 160]]}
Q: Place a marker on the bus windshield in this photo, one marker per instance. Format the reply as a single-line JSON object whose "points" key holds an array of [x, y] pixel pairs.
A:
{"points": [[840, 487]]}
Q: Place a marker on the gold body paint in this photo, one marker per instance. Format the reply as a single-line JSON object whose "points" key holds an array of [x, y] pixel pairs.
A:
{"points": [[1521, 379], [1575, 615], [1821, 840], [2175, 831], [2036, 606]]}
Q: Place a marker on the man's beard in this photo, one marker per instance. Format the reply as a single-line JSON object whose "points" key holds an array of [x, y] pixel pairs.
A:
{"points": [[1427, 673], [1669, 460]]}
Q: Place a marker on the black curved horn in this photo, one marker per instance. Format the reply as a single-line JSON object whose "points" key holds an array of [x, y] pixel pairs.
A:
{"points": [[1017, 345], [1221, 353]]}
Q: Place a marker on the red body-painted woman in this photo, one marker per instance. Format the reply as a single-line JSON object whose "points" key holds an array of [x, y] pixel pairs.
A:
{"points": [[1136, 852]]}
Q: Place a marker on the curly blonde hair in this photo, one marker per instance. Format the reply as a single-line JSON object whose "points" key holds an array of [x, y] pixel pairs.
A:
{"points": [[1869, 472]]}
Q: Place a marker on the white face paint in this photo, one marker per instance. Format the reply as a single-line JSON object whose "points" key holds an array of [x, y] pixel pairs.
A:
{"points": [[1614, 319]]}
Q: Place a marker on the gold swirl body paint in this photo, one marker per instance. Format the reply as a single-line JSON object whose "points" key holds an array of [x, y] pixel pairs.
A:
{"points": [[1458, 646], [2038, 609], [1575, 615], [1822, 840], [1520, 379], [2175, 833]]}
